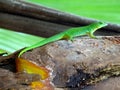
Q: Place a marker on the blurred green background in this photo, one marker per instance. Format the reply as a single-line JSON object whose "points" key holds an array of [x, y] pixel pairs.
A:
{"points": [[105, 10]]}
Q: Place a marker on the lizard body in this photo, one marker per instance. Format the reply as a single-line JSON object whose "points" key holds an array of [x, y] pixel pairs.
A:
{"points": [[68, 34]]}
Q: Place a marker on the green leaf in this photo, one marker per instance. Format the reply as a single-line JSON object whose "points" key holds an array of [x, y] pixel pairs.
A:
{"points": [[11, 41], [105, 10]]}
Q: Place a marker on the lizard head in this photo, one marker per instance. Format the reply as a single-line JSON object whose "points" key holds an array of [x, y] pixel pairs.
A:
{"points": [[101, 24], [97, 25]]}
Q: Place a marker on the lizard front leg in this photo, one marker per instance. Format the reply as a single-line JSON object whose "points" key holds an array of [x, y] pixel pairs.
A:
{"points": [[91, 35]]}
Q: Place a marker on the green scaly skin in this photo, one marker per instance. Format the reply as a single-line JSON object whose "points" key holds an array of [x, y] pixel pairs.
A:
{"points": [[69, 34]]}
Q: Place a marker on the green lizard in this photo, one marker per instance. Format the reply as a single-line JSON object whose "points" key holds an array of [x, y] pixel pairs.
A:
{"points": [[68, 34], [2, 52]]}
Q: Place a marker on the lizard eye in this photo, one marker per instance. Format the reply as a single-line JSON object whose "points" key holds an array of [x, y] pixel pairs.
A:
{"points": [[100, 22]]}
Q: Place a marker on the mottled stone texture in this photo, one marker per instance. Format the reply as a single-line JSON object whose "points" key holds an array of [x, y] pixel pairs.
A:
{"points": [[66, 58]]}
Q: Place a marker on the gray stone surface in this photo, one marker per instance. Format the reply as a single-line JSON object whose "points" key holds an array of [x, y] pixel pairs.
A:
{"points": [[66, 57]]}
